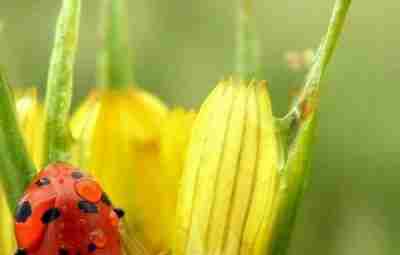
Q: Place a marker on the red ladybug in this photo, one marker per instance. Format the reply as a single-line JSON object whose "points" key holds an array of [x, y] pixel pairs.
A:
{"points": [[65, 212]]}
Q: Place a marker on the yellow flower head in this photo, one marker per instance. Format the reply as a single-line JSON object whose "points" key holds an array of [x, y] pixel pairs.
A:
{"points": [[230, 176], [128, 140]]}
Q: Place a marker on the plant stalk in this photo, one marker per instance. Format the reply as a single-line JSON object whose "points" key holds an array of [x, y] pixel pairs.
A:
{"points": [[60, 83], [324, 53], [247, 43], [303, 114], [114, 59]]}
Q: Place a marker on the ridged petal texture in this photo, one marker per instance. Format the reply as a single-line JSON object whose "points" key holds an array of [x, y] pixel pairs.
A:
{"points": [[133, 144], [230, 176]]}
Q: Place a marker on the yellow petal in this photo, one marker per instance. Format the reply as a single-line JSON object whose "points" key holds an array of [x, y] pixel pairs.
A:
{"points": [[30, 119], [230, 176], [117, 135], [116, 125], [7, 240], [80, 119], [158, 171], [82, 124]]}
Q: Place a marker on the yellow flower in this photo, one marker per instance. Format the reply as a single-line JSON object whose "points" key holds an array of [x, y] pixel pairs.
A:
{"points": [[230, 177], [127, 139]]}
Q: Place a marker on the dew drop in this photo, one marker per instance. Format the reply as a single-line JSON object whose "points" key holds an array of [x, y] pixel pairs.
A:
{"points": [[114, 220], [98, 238], [82, 221]]}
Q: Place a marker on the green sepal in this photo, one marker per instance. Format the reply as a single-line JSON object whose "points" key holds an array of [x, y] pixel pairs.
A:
{"points": [[293, 181]]}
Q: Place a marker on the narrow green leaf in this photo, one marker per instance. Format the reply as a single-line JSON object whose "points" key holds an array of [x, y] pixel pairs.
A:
{"points": [[60, 83], [16, 167], [247, 44], [115, 60]]}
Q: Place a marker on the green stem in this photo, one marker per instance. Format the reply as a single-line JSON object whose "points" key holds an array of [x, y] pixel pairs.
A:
{"points": [[247, 45], [60, 83], [114, 60], [324, 53], [16, 167], [295, 173]]}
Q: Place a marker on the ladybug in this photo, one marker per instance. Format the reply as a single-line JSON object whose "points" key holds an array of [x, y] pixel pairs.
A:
{"points": [[65, 212]]}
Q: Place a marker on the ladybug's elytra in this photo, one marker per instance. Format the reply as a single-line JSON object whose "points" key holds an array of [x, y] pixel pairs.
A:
{"points": [[65, 212]]}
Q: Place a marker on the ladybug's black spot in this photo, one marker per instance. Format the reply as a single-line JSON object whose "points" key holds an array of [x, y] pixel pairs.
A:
{"points": [[50, 215], [92, 247], [20, 252], [43, 182], [105, 199], [120, 213], [87, 207], [76, 175], [24, 211], [62, 251]]}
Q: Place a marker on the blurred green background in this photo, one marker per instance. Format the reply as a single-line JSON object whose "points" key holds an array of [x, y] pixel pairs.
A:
{"points": [[182, 48]]}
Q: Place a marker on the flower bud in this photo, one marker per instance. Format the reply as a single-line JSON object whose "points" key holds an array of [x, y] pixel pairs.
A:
{"points": [[133, 145], [109, 129], [230, 178]]}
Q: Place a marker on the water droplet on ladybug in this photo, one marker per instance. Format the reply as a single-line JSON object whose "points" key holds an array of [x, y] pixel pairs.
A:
{"points": [[82, 221], [89, 190], [98, 238], [114, 220]]}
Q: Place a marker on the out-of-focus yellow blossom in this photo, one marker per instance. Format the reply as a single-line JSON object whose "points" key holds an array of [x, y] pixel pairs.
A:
{"points": [[175, 134], [129, 140], [230, 177], [30, 119], [7, 240], [110, 128]]}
